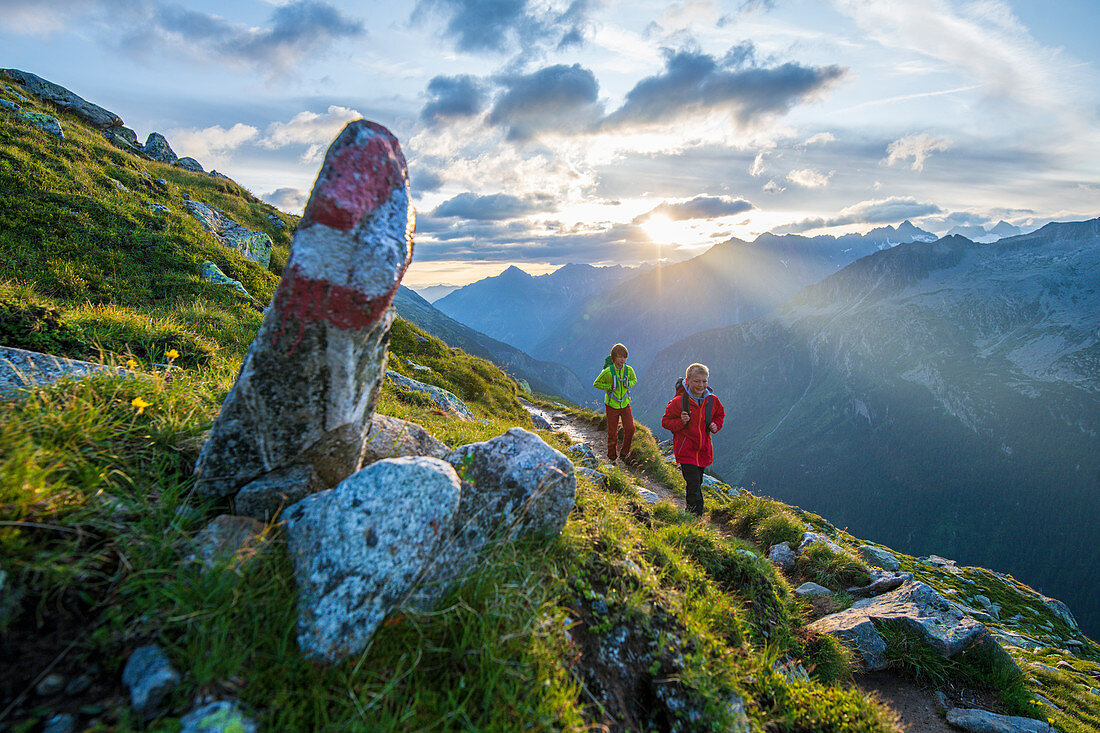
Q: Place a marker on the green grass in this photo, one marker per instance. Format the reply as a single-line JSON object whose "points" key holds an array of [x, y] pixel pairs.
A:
{"points": [[832, 569]]}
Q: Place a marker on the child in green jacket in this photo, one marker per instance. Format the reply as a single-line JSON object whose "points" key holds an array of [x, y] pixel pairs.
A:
{"points": [[616, 380]]}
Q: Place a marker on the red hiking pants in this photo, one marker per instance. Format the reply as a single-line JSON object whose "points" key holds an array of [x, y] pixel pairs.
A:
{"points": [[613, 417]]}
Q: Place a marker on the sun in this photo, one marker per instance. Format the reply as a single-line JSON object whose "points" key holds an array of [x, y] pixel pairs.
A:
{"points": [[662, 230]]}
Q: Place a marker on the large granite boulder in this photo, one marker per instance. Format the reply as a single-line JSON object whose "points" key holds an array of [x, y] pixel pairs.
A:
{"points": [[308, 386], [443, 399], [914, 606], [514, 485], [360, 548], [157, 148], [61, 97], [190, 164], [21, 369], [254, 245], [392, 437]]}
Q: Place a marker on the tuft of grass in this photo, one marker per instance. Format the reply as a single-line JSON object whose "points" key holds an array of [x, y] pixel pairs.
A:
{"points": [[779, 527], [835, 570]]}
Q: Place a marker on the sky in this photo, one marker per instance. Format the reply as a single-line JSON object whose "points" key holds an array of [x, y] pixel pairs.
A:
{"points": [[546, 132]]}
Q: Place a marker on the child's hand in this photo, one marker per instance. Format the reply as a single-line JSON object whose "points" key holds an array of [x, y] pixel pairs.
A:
{"points": [[713, 428], [685, 417]]}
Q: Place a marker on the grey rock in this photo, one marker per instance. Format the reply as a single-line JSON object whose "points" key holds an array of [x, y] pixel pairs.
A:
{"points": [[883, 583], [190, 164], [583, 452], [223, 716], [61, 97], [878, 557], [709, 480], [813, 538], [308, 386], [417, 367], [45, 123], [915, 606], [277, 221], [11, 90], [125, 133], [943, 563], [11, 107], [442, 398], [212, 273], [78, 685], [160, 183], [647, 495], [782, 556], [162, 209], [119, 185], [51, 684], [391, 437], [513, 486], [20, 369], [980, 721], [228, 540], [265, 497], [59, 723], [540, 422], [812, 589], [150, 677], [157, 148], [359, 549], [254, 245], [1060, 610], [596, 477]]}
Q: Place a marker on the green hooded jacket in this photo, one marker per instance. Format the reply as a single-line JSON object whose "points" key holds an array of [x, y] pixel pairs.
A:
{"points": [[616, 385]]}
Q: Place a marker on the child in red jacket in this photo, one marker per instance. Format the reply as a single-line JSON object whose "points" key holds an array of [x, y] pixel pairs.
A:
{"points": [[691, 429]]}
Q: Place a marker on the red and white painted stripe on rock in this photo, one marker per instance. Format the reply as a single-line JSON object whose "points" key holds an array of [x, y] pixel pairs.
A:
{"points": [[355, 238]]}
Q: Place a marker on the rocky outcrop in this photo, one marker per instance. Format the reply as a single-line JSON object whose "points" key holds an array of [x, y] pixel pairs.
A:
{"points": [[980, 721], [307, 388], [358, 549], [212, 273], [157, 148], [254, 245], [190, 164], [61, 97], [584, 454], [443, 399], [915, 607]]}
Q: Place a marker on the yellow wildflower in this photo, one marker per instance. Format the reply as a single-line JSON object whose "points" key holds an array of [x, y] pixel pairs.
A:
{"points": [[140, 404], [131, 363], [172, 354]]}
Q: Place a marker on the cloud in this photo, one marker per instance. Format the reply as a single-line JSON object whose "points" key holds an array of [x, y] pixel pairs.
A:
{"points": [[209, 141], [553, 99], [453, 97], [894, 209], [424, 180], [516, 241], [822, 138], [498, 25], [757, 165], [295, 32], [917, 147], [494, 207], [700, 207], [808, 178], [287, 199], [773, 187], [694, 82], [314, 130]]}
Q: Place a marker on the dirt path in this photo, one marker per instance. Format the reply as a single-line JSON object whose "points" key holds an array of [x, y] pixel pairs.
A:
{"points": [[915, 706]]}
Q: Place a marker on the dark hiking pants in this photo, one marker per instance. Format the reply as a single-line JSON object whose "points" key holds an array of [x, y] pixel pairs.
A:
{"points": [[693, 476], [613, 417]]}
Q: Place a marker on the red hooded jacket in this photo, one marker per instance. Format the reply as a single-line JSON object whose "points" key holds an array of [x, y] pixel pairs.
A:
{"points": [[691, 443]]}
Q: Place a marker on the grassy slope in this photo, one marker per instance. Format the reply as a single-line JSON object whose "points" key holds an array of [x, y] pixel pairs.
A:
{"points": [[96, 516]]}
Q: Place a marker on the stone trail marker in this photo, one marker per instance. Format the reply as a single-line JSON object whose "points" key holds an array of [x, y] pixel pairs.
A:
{"points": [[308, 386]]}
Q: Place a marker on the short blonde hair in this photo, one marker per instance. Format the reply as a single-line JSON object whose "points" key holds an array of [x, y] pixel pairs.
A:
{"points": [[697, 369]]}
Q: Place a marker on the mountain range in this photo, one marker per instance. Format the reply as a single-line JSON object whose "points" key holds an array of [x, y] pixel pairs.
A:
{"points": [[522, 309], [941, 394], [729, 283]]}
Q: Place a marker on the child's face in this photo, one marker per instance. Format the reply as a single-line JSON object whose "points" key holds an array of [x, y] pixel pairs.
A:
{"points": [[619, 360], [697, 384]]}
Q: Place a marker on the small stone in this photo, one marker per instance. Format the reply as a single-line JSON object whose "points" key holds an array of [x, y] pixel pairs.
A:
{"points": [[583, 452], [596, 477], [223, 716], [648, 496], [878, 557], [157, 208], [812, 589], [150, 677], [60, 723], [782, 556], [51, 684], [78, 685]]}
